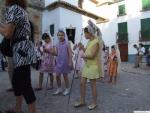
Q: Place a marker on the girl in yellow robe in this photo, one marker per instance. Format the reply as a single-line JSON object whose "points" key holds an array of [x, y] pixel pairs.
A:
{"points": [[92, 69]]}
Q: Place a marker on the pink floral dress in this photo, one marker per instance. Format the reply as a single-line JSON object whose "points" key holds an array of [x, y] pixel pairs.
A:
{"points": [[47, 64]]}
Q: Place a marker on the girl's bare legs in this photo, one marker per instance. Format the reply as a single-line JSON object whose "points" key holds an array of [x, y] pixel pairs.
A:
{"points": [[77, 74], [51, 80], [110, 79], [66, 80], [58, 79], [59, 90], [40, 80], [82, 90], [115, 79], [94, 92]]}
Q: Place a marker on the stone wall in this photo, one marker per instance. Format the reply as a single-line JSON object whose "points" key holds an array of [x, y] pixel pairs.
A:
{"points": [[34, 9], [35, 13]]}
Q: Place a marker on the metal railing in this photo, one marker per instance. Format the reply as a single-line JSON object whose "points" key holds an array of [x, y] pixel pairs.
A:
{"points": [[144, 35], [122, 37]]}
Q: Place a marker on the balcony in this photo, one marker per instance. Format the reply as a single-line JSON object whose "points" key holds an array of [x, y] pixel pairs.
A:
{"points": [[122, 37], [144, 35], [119, 15]]}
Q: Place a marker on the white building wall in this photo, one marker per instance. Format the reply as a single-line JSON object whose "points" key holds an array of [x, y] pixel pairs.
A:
{"points": [[63, 18], [69, 18], [51, 17], [133, 19], [90, 6]]}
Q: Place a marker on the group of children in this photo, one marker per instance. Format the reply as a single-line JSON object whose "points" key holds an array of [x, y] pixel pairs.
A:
{"points": [[55, 59], [61, 60]]}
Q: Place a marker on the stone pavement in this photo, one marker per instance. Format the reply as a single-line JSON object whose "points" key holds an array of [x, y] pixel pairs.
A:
{"points": [[142, 70], [131, 93]]}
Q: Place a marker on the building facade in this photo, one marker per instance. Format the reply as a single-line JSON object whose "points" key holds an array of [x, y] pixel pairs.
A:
{"points": [[129, 24], [122, 22], [69, 16]]}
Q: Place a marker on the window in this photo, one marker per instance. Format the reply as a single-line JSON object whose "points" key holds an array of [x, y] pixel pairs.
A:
{"points": [[145, 29], [52, 30], [71, 34], [122, 10], [122, 27], [145, 4], [122, 32]]}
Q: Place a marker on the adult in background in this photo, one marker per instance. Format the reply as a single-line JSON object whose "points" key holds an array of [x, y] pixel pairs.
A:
{"points": [[136, 56], [141, 52], [17, 28], [139, 55]]}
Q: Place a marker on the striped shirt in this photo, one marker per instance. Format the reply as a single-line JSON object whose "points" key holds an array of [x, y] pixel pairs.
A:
{"points": [[23, 50]]}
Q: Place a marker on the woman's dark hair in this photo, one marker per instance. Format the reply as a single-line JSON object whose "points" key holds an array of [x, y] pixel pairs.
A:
{"points": [[86, 30], [21, 3], [141, 45], [134, 45], [45, 36]]}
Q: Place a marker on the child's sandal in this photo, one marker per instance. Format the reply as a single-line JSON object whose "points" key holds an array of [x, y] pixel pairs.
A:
{"points": [[79, 104], [91, 107]]}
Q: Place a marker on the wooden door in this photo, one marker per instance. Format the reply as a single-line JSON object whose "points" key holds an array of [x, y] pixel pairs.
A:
{"points": [[123, 52]]}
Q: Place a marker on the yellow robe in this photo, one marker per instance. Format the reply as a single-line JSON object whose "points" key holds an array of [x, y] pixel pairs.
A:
{"points": [[92, 68]]}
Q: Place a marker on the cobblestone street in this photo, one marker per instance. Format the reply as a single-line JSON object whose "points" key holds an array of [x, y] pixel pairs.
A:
{"points": [[130, 94]]}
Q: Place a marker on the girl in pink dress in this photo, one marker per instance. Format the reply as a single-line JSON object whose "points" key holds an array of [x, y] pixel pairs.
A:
{"points": [[47, 63]]}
